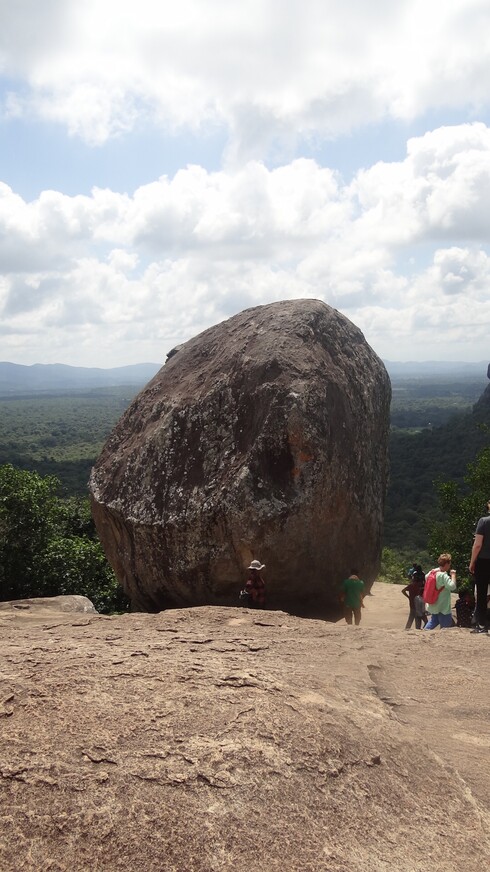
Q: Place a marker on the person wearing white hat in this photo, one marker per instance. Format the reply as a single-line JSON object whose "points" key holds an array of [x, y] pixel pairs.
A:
{"points": [[255, 585]]}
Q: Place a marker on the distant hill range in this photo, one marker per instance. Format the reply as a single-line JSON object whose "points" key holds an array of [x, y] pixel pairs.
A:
{"points": [[436, 369], [15, 377]]}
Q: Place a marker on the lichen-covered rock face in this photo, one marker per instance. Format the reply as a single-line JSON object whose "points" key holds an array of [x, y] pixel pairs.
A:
{"points": [[264, 437]]}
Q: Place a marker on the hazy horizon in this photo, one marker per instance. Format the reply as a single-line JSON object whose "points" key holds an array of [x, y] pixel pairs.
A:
{"points": [[415, 363]]}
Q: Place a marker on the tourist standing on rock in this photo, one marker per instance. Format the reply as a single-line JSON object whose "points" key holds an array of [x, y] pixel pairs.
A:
{"points": [[480, 568], [255, 585], [412, 590], [440, 611], [352, 597]]}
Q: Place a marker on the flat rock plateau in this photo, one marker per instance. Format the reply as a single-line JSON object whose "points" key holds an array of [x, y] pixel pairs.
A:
{"points": [[213, 738]]}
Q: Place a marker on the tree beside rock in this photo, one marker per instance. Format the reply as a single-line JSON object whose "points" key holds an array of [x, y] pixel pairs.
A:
{"points": [[48, 545]]}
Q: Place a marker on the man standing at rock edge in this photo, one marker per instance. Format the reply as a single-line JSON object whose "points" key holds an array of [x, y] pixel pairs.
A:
{"points": [[255, 585], [480, 568], [352, 597]]}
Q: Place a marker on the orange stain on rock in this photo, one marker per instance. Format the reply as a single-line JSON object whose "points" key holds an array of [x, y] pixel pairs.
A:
{"points": [[300, 453]]}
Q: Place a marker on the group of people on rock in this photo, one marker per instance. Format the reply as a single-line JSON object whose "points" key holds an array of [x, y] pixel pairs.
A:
{"points": [[470, 612], [438, 613], [351, 596]]}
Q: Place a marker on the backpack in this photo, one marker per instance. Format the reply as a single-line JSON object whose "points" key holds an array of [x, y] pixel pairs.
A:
{"points": [[244, 598], [431, 592]]}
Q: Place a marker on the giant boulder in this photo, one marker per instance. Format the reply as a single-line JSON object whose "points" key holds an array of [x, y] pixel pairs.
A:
{"points": [[263, 437]]}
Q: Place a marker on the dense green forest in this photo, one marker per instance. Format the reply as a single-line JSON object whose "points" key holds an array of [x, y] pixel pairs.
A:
{"points": [[424, 456], [438, 426], [49, 545], [60, 433], [431, 402]]}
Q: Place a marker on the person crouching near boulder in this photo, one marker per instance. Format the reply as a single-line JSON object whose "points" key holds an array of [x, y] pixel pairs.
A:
{"points": [[440, 611], [255, 585]]}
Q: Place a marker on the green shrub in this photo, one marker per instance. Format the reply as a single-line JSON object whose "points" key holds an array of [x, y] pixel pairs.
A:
{"points": [[461, 507], [48, 546], [393, 569]]}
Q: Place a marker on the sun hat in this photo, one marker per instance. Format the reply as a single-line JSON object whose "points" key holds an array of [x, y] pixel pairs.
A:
{"points": [[256, 564]]}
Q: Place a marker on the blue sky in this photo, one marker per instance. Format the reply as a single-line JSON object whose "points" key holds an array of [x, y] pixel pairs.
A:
{"points": [[163, 167]]}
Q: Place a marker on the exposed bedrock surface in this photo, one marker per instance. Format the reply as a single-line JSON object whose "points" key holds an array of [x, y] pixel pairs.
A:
{"points": [[265, 436], [63, 603], [226, 740]]}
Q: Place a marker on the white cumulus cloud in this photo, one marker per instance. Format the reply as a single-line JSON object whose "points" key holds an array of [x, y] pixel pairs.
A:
{"points": [[267, 70], [402, 250]]}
